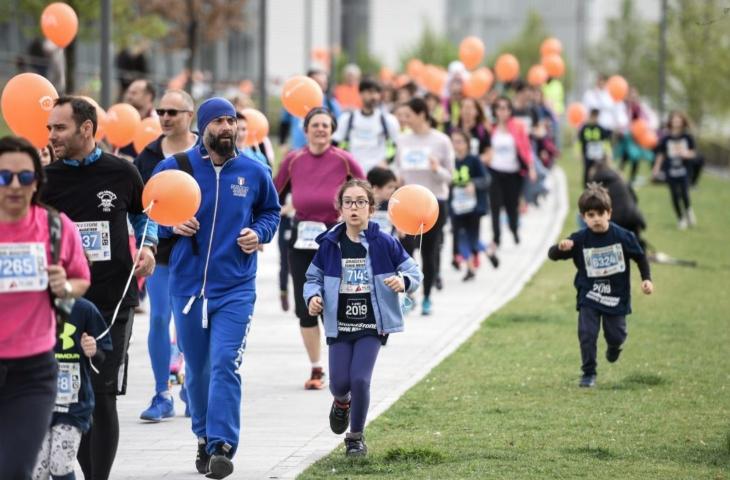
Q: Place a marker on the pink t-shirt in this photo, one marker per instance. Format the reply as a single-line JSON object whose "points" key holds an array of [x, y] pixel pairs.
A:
{"points": [[27, 322]]}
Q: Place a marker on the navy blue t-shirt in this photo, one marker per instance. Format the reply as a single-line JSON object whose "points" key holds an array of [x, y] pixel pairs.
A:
{"points": [[75, 398], [674, 166], [603, 276]]}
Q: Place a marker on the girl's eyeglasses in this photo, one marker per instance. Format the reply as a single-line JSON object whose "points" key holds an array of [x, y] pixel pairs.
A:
{"points": [[360, 203], [25, 177]]}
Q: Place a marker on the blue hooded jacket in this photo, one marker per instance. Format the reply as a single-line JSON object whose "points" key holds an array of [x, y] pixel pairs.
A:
{"points": [[385, 257], [241, 196]]}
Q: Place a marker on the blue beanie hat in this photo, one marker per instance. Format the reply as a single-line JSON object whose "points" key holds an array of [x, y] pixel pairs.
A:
{"points": [[211, 109]]}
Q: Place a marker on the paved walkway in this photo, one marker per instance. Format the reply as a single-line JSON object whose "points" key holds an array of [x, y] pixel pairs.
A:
{"points": [[285, 428]]}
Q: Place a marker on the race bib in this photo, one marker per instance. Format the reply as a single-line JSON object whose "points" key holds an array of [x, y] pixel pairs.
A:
{"points": [[415, 159], [23, 267], [364, 140], [356, 309], [676, 168], [355, 277], [675, 148], [604, 261], [463, 201], [95, 240], [381, 218], [594, 151], [69, 383], [307, 233]]}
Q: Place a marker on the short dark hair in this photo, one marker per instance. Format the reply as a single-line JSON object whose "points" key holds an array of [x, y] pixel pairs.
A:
{"points": [[81, 111], [595, 197], [368, 83], [381, 176], [10, 144], [319, 111], [149, 87], [594, 112], [356, 182], [464, 134]]}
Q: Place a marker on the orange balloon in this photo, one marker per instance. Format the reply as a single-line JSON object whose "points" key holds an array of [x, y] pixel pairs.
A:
{"points": [[639, 127], [175, 197], [414, 68], [471, 52], [537, 75], [301, 94], [551, 46], [401, 80], [478, 83], [386, 75], [27, 101], [617, 87], [59, 24], [434, 79], [257, 126], [100, 118], [648, 139], [554, 65], [413, 209], [577, 114], [122, 123], [507, 68], [147, 132]]}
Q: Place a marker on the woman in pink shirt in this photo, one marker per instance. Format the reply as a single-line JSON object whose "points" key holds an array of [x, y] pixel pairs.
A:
{"points": [[28, 282], [313, 175]]}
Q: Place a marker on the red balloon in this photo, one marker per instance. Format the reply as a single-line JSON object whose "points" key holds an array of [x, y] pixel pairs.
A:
{"points": [[59, 24], [413, 209], [617, 87], [27, 101], [507, 68], [174, 195], [301, 94]]}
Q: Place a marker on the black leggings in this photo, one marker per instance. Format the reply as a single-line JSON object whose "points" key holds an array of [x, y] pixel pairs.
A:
{"points": [[299, 261], [505, 192], [27, 396], [430, 248], [283, 243], [99, 445], [466, 228], [679, 190]]}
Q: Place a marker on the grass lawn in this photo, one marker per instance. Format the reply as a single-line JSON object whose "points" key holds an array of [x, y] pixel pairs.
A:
{"points": [[506, 404]]}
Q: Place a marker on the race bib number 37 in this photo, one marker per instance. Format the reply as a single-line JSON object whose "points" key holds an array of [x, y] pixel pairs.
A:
{"points": [[604, 261], [23, 267], [95, 239]]}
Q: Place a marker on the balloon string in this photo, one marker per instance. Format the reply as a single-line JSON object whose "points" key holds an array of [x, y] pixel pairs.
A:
{"points": [[129, 281], [420, 239]]}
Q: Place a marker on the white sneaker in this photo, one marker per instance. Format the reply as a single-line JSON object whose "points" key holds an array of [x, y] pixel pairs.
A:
{"points": [[691, 219], [682, 224]]}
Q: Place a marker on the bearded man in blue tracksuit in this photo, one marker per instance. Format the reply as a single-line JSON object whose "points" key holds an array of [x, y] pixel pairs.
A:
{"points": [[212, 278]]}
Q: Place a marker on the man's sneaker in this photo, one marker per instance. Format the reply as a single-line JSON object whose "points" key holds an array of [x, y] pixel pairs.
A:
{"points": [[691, 219], [284, 299], [339, 416], [161, 407], [587, 381], [438, 283], [220, 464], [202, 458], [316, 380], [469, 276], [612, 353], [355, 445], [184, 399], [426, 306], [682, 224]]}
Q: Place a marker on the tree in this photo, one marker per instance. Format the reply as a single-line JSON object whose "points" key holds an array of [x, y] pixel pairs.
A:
{"points": [[431, 48]]}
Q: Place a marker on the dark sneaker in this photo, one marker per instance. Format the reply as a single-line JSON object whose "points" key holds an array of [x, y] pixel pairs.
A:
{"points": [[612, 353], [493, 260], [316, 380], [202, 458], [469, 276], [284, 299], [220, 464], [339, 416], [587, 381], [355, 445], [438, 283]]}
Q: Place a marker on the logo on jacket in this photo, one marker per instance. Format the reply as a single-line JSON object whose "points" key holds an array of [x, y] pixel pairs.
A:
{"points": [[106, 198], [240, 189], [66, 336]]}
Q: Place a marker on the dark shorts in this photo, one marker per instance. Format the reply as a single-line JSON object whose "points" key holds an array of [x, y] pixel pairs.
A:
{"points": [[112, 376]]}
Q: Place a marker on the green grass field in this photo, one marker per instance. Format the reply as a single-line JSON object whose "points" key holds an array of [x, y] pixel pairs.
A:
{"points": [[506, 404]]}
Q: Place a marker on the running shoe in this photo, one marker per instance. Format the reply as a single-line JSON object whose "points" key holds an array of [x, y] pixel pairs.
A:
{"points": [[316, 380], [612, 353], [438, 283], [160, 407], [426, 306], [355, 445], [682, 224], [284, 299], [220, 464], [339, 416], [202, 458], [691, 219], [587, 381], [470, 275]]}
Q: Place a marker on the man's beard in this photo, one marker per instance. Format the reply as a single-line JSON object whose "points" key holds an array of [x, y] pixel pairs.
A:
{"points": [[220, 146]]}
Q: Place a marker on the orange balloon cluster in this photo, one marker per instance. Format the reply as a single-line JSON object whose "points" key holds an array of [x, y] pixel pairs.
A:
{"points": [[507, 68], [617, 87], [471, 52], [649, 139], [414, 68], [478, 83], [551, 46], [27, 101], [301, 94], [413, 209], [257, 126], [174, 195], [434, 79], [59, 24], [638, 127], [537, 75], [122, 123], [643, 134], [554, 65], [147, 132], [577, 114]]}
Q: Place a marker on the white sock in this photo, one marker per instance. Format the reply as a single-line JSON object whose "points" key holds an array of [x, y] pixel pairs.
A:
{"points": [[317, 364], [167, 394]]}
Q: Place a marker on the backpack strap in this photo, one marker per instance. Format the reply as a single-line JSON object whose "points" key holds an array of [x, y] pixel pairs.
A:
{"points": [[350, 122], [55, 231]]}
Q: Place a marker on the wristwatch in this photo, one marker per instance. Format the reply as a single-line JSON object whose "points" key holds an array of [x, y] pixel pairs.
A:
{"points": [[68, 289]]}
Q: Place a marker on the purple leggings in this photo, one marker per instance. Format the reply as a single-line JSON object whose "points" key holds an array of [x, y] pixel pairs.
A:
{"points": [[351, 368]]}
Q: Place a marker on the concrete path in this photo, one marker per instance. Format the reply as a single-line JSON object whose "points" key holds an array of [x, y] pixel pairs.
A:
{"points": [[284, 427]]}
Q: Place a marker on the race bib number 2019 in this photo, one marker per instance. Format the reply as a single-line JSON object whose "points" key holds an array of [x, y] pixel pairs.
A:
{"points": [[95, 240], [604, 261], [23, 267]]}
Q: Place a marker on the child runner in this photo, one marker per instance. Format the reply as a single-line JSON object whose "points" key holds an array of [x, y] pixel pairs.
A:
{"points": [[595, 143], [674, 153], [601, 252], [468, 204], [354, 281], [75, 397]]}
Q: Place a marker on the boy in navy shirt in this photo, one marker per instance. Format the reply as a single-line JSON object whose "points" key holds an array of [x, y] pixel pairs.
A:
{"points": [[601, 253]]}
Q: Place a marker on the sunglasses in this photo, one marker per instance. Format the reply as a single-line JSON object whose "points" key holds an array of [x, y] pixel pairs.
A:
{"points": [[25, 177], [170, 111]]}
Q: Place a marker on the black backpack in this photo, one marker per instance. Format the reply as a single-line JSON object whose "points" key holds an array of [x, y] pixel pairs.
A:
{"points": [[61, 306]]}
